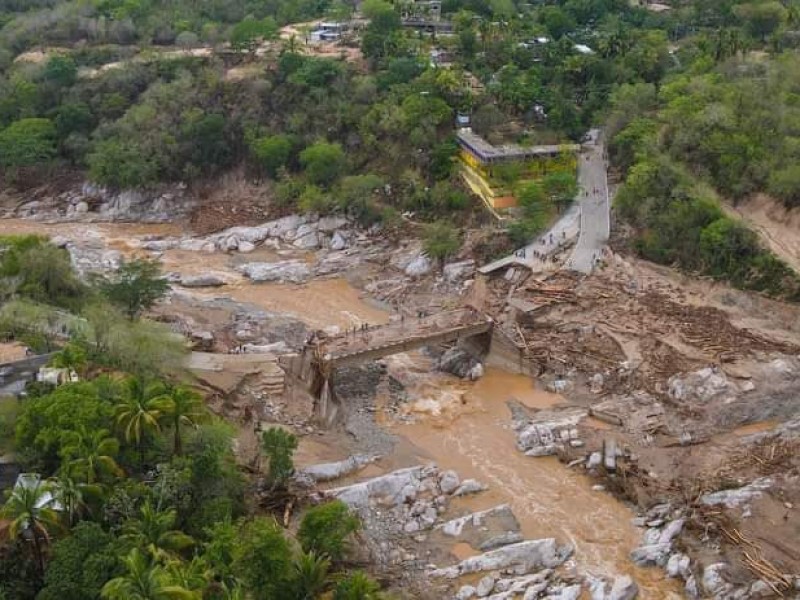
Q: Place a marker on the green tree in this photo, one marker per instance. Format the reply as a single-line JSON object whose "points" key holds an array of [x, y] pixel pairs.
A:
{"points": [[357, 586], [143, 580], [154, 532], [279, 446], [325, 529], [60, 71], [561, 188], [323, 162], [75, 497], [30, 511], [247, 34], [136, 286], [49, 422], [138, 413], [262, 558], [27, 142], [272, 152], [91, 454], [761, 18], [180, 407], [785, 185], [81, 563], [440, 240], [309, 576]]}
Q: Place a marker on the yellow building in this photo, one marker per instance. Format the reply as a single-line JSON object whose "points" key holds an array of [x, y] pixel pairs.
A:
{"points": [[481, 160]]}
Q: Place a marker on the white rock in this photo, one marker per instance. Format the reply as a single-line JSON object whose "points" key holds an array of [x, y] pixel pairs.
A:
{"points": [[485, 586], [421, 265], [738, 496], [678, 565], [338, 241], [469, 486], [527, 556], [465, 593], [449, 482], [623, 588], [308, 241], [671, 531], [335, 470], [81, 207], [571, 592], [760, 589], [713, 581], [246, 247], [295, 271], [653, 554]]}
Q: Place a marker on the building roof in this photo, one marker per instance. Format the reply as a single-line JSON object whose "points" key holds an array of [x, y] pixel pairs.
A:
{"points": [[487, 152]]}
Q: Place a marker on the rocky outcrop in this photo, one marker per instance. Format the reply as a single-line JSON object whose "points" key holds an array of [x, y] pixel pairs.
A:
{"points": [[91, 202]]}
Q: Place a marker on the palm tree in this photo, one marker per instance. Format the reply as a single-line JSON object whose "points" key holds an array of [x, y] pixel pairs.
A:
{"points": [[144, 580], [181, 405], [74, 496], [92, 453], [137, 414], [154, 531], [30, 508], [310, 576], [357, 586], [194, 575]]}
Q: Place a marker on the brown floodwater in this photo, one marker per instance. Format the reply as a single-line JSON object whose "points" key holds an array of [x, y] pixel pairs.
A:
{"points": [[467, 427]]}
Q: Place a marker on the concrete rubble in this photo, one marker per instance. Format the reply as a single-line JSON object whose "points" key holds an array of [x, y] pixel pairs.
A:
{"points": [[549, 431]]}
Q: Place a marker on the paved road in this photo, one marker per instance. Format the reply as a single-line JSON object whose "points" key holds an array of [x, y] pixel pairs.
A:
{"points": [[594, 203], [588, 220]]}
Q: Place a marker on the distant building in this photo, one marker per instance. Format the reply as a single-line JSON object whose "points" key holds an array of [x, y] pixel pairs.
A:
{"points": [[481, 160], [328, 31]]}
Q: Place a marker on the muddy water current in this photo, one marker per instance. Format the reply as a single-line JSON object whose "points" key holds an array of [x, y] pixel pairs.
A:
{"points": [[467, 427], [459, 425]]}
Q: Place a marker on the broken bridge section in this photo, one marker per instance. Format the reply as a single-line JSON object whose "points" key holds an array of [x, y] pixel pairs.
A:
{"points": [[312, 371]]}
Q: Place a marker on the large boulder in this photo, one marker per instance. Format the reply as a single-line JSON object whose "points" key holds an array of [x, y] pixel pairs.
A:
{"points": [[197, 281], [294, 271], [335, 470], [524, 557]]}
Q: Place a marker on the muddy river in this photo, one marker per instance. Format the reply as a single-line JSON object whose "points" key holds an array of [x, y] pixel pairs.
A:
{"points": [[459, 425]]}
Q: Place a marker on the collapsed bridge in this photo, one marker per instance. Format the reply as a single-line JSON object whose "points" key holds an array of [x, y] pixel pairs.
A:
{"points": [[312, 371]]}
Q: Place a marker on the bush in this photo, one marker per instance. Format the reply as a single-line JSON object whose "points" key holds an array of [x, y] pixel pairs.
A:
{"points": [[272, 152], [325, 528], [27, 142], [279, 446], [324, 163], [441, 240]]}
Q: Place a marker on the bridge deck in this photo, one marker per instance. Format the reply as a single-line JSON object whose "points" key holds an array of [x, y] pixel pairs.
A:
{"points": [[405, 335]]}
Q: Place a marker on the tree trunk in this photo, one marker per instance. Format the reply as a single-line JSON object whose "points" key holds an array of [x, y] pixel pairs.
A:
{"points": [[37, 549], [178, 449]]}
